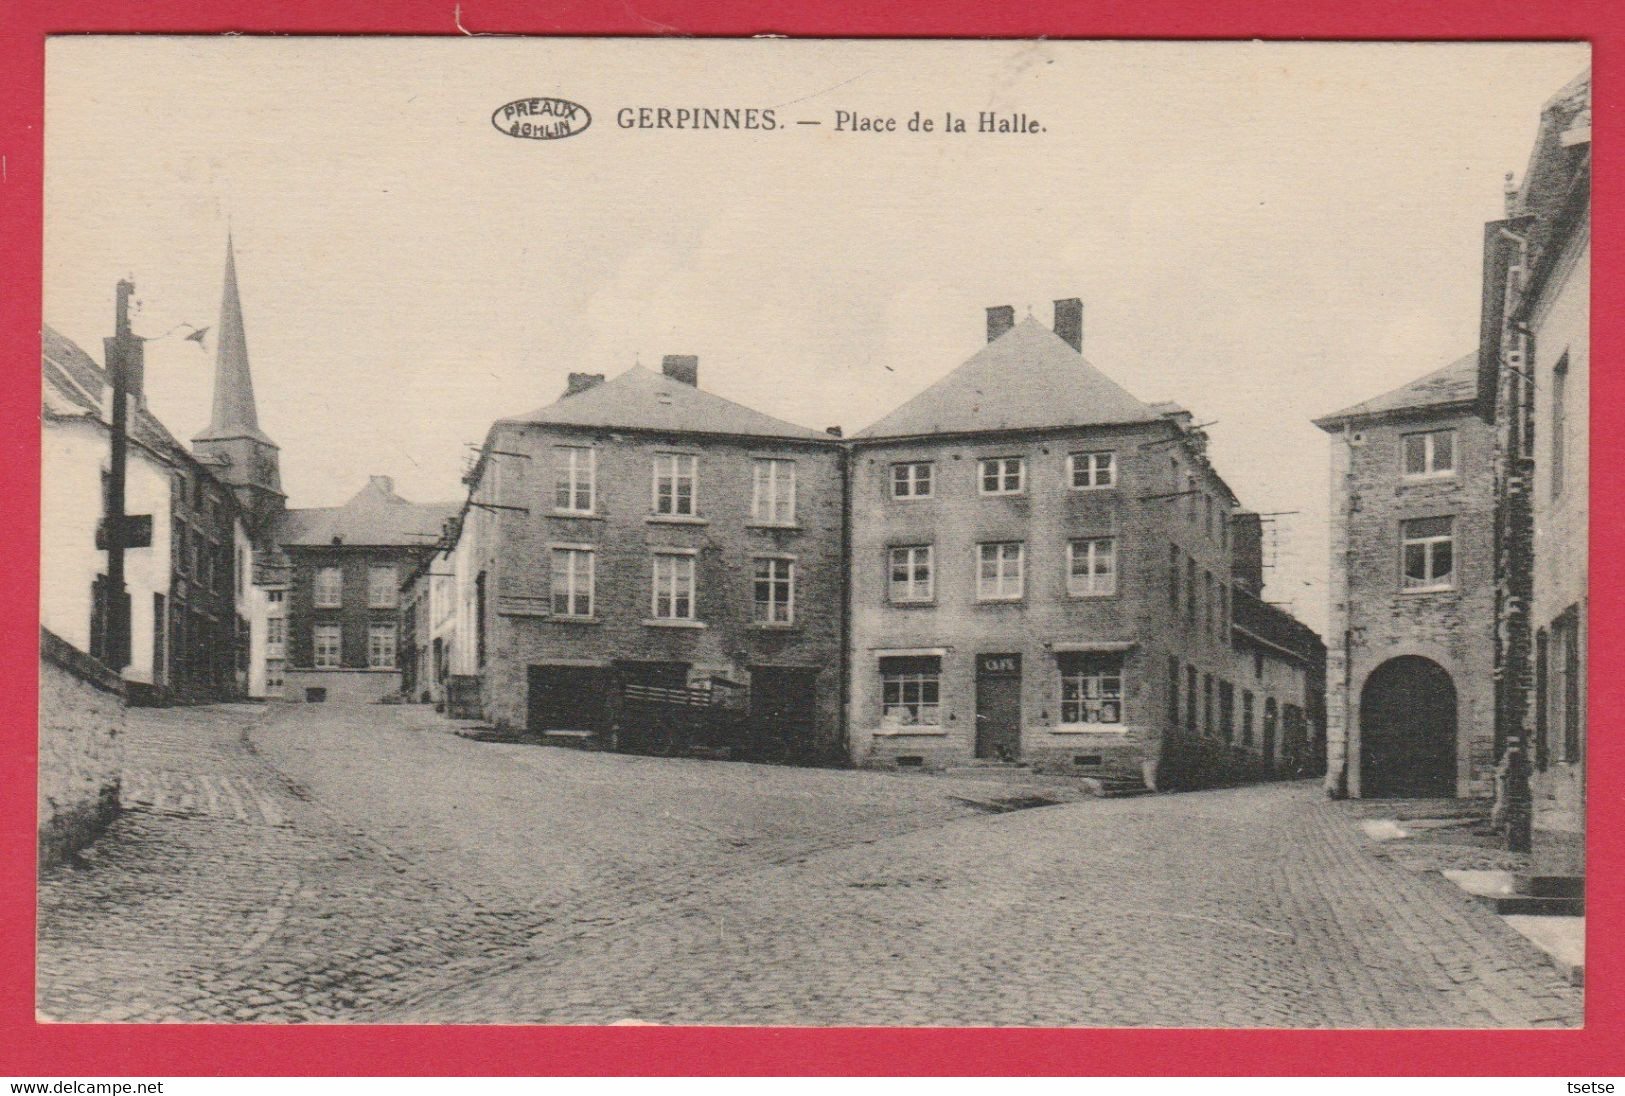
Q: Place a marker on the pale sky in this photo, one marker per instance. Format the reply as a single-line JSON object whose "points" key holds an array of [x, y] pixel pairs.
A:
{"points": [[1262, 232]]}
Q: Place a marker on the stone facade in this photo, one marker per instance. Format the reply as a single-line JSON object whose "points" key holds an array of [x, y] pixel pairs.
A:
{"points": [[80, 748], [1378, 615]]}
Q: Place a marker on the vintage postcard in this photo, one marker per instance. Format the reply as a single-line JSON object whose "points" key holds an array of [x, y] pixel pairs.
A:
{"points": [[814, 533]]}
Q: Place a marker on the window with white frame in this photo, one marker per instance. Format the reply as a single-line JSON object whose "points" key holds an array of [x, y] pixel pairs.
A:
{"points": [[383, 588], [773, 492], [1092, 470], [911, 573], [276, 636], [573, 582], [329, 587], [1427, 553], [575, 474], [911, 480], [1003, 475], [910, 691], [381, 646], [1091, 689], [1092, 567], [326, 646], [275, 673], [274, 597], [999, 571], [674, 475], [1431, 453], [673, 587], [775, 591]]}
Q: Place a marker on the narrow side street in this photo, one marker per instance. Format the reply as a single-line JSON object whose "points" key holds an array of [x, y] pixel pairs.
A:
{"points": [[366, 864]]}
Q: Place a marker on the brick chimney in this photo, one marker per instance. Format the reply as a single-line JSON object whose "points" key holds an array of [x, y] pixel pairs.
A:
{"points": [[1069, 322], [683, 368], [580, 382], [1000, 319]]}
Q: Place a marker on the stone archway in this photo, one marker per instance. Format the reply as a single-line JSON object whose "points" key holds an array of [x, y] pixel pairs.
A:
{"points": [[1408, 730]]}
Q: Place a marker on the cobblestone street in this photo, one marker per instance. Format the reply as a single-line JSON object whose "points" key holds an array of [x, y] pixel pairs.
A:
{"points": [[368, 864]]}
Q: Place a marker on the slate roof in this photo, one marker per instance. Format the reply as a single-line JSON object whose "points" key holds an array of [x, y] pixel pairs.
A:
{"points": [[1028, 378], [1453, 384], [233, 414], [374, 515], [74, 380], [641, 399]]}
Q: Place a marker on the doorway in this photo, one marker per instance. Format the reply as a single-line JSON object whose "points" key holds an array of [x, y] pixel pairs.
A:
{"points": [[998, 707], [1408, 730]]}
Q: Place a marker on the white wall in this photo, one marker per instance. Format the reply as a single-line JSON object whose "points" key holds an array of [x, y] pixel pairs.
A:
{"points": [[74, 453]]}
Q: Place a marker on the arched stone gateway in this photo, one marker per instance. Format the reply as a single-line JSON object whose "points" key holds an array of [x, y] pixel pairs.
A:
{"points": [[1408, 730]]}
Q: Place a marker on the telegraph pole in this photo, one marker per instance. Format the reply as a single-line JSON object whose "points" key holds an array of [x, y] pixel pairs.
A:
{"points": [[124, 360]]}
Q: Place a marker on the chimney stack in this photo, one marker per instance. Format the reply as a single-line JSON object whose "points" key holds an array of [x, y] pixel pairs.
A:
{"points": [[999, 320], [1069, 322], [833, 431], [683, 368], [580, 382]]}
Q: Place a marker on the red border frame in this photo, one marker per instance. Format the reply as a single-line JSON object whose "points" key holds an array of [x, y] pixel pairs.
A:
{"points": [[93, 1050]]}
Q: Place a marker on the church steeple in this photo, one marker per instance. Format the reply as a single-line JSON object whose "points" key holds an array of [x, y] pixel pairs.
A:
{"points": [[239, 452]]}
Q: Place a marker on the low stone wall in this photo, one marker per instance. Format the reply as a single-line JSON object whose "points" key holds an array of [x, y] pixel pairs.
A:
{"points": [[341, 686], [81, 748]]}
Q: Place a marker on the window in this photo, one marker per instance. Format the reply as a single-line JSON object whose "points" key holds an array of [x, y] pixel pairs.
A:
{"points": [[910, 691], [1428, 553], [1190, 699], [674, 484], [274, 597], [572, 582], [275, 673], [1190, 590], [774, 591], [1004, 475], [276, 636], [911, 480], [999, 572], [911, 573], [1091, 470], [575, 478], [383, 588], [773, 494], [673, 587], [1432, 453], [1563, 688], [1173, 578], [1207, 705], [1222, 621], [327, 646], [329, 587], [1246, 718], [1227, 711], [1560, 384], [1207, 600], [381, 646], [1092, 689], [1091, 567], [1173, 692]]}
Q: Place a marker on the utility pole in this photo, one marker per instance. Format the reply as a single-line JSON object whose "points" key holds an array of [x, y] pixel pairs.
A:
{"points": [[124, 354]]}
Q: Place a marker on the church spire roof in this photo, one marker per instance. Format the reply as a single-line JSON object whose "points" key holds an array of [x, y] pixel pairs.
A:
{"points": [[233, 415]]}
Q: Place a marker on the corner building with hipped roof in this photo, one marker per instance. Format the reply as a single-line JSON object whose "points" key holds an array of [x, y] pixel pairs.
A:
{"points": [[1045, 570], [644, 532]]}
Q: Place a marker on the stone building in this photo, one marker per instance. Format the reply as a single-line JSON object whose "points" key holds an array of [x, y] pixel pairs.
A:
{"points": [[1046, 570], [644, 531], [1410, 709], [1534, 384], [340, 583]]}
